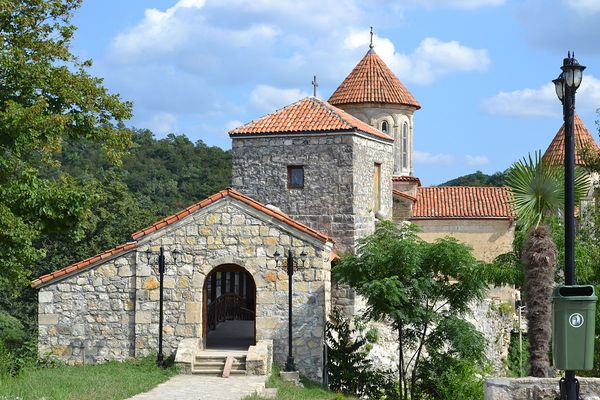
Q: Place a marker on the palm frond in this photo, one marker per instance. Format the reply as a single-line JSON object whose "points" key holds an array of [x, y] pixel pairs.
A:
{"points": [[538, 189]]}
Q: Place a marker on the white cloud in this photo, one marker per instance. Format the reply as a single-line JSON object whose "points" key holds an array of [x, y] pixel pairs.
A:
{"points": [[233, 124], [476, 160], [542, 102], [269, 98], [230, 59], [463, 4], [422, 157], [428, 62], [161, 123], [584, 6]]}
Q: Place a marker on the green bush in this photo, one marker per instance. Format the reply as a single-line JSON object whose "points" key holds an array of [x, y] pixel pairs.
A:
{"points": [[445, 377], [349, 369], [512, 361], [16, 352], [12, 335]]}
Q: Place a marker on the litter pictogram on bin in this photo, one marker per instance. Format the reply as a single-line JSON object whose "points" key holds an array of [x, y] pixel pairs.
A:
{"points": [[576, 320]]}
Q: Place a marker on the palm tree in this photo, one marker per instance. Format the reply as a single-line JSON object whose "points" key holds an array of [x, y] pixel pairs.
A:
{"points": [[538, 194]]}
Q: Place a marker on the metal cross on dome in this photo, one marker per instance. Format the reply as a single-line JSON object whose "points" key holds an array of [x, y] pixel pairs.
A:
{"points": [[371, 43]]}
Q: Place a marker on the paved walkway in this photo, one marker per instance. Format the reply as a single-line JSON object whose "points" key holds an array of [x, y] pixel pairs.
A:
{"points": [[199, 387]]}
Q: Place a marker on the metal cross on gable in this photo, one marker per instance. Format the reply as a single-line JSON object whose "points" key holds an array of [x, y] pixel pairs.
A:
{"points": [[315, 85]]}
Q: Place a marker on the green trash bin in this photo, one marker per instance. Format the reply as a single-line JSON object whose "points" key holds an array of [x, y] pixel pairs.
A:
{"points": [[573, 327]]}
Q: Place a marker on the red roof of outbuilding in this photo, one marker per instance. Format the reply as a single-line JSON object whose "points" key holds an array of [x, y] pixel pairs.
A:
{"points": [[83, 264], [555, 154], [463, 202], [178, 217], [307, 115], [371, 81]]}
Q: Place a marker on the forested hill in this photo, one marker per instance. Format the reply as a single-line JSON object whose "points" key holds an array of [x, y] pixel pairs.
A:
{"points": [[478, 179], [156, 178]]}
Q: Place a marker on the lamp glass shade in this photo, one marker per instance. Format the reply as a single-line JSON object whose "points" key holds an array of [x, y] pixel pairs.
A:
{"points": [[569, 76], [577, 77], [573, 75], [559, 86]]}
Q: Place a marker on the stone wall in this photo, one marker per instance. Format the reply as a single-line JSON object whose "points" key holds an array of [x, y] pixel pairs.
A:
{"points": [[536, 388], [488, 237], [231, 233], [337, 197], [366, 153], [89, 317], [325, 201], [402, 209], [111, 310]]}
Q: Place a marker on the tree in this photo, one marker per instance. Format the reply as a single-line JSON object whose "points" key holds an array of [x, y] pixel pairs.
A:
{"points": [[538, 195], [349, 368], [478, 179], [422, 289], [46, 96]]}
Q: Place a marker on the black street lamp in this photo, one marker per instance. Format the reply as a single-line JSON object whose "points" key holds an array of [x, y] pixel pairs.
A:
{"points": [[161, 271], [290, 264], [566, 85]]}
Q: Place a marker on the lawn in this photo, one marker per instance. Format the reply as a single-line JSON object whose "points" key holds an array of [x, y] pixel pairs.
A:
{"points": [[112, 380], [288, 391]]}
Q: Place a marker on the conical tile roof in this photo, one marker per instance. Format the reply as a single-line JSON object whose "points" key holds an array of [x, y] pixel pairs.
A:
{"points": [[555, 154], [371, 81], [305, 116]]}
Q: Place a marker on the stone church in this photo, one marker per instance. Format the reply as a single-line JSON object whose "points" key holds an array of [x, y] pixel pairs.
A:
{"points": [[311, 178]]}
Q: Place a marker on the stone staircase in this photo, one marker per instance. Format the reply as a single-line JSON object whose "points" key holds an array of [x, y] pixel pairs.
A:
{"points": [[214, 362]]}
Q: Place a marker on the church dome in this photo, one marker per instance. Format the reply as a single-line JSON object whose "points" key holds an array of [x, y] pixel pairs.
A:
{"points": [[371, 81]]}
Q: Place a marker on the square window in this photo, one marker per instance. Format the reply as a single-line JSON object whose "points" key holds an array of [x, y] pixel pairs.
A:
{"points": [[295, 176]]}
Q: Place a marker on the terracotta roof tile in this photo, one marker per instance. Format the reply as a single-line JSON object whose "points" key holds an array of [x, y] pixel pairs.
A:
{"points": [[371, 81], [83, 264], [463, 202], [407, 196], [555, 154], [406, 179], [304, 116], [234, 195]]}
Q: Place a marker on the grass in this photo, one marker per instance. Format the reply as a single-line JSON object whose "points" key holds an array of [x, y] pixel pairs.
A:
{"points": [[288, 391], [112, 380]]}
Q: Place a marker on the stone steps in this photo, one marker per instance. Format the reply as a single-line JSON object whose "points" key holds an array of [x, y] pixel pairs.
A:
{"points": [[214, 364]]}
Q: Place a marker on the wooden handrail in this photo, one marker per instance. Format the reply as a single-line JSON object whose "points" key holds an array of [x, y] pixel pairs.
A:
{"points": [[228, 306]]}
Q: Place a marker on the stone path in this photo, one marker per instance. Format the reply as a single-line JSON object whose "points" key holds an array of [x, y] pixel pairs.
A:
{"points": [[199, 387]]}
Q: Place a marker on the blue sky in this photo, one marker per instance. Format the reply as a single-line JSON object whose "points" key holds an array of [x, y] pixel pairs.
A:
{"points": [[481, 69]]}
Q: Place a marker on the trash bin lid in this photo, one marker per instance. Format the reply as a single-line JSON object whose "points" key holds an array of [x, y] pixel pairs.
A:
{"points": [[574, 292]]}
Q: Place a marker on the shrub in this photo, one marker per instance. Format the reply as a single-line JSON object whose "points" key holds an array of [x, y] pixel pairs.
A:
{"points": [[12, 335], [349, 369], [15, 351]]}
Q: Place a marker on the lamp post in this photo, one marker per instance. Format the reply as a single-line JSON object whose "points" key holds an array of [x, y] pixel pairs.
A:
{"points": [[161, 271], [290, 264], [566, 85]]}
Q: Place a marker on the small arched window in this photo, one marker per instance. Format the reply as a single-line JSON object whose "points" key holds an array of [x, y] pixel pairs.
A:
{"points": [[405, 145], [385, 128]]}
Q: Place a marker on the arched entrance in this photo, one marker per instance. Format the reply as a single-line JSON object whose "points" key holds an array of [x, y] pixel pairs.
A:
{"points": [[229, 308]]}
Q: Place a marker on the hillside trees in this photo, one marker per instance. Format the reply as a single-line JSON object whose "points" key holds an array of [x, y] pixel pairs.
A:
{"points": [[423, 289], [46, 97]]}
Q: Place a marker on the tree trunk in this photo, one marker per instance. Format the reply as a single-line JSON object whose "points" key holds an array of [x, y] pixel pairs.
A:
{"points": [[539, 259]]}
